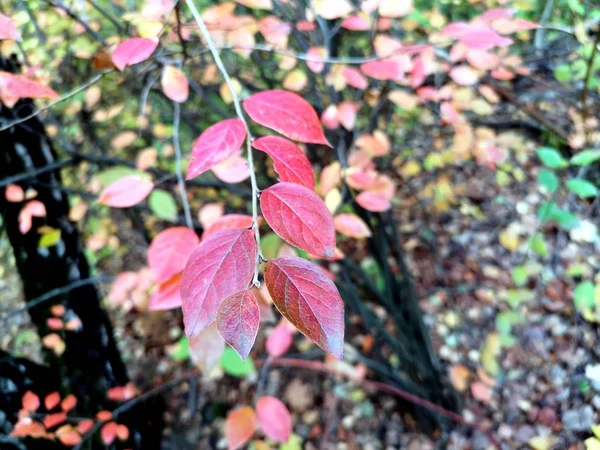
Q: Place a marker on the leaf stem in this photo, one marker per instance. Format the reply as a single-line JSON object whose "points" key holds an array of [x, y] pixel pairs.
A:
{"points": [[238, 109]]}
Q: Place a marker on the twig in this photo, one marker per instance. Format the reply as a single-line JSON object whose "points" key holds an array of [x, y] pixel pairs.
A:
{"points": [[250, 138], [83, 23], [178, 169], [50, 105], [539, 33], [584, 92], [32, 174]]}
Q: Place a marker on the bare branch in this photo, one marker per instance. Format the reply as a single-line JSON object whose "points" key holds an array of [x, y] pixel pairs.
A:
{"points": [[178, 169]]}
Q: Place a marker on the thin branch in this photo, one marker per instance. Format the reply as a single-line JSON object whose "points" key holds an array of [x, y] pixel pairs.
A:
{"points": [[240, 114], [60, 100], [32, 174], [83, 23], [107, 15], [178, 169]]}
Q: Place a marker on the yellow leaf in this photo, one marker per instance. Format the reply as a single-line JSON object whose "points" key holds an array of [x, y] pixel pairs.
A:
{"points": [[333, 199], [541, 442], [509, 241]]}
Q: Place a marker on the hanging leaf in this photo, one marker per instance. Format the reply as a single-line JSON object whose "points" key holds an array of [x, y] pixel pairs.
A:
{"points": [[289, 161], [308, 298], [300, 217], [163, 205], [216, 144], [233, 365], [166, 295], [352, 226], [220, 266], [174, 84], [279, 341], [206, 348], [126, 192], [170, 250], [274, 418], [133, 51], [238, 318], [239, 427], [288, 114]]}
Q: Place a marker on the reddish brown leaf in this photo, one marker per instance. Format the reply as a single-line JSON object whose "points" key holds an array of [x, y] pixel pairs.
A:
{"points": [[308, 298], [126, 192], [53, 399], [288, 114], [216, 144], [300, 217], [133, 51], [274, 418], [239, 427], [238, 318], [221, 265], [289, 161], [174, 84], [170, 250]]}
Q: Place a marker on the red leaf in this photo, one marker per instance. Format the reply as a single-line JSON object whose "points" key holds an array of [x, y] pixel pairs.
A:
{"points": [[216, 144], [274, 418], [108, 433], [51, 420], [279, 341], [308, 298], [300, 217], [385, 69], [221, 265], [133, 51], [52, 399], [166, 295], [169, 252], [68, 403], [85, 425], [174, 84], [126, 192], [373, 201], [354, 78], [239, 427], [8, 30], [13, 87], [352, 226], [206, 348], [238, 317], [288, 114], [30, 401], [228, 222], [289, 161]]}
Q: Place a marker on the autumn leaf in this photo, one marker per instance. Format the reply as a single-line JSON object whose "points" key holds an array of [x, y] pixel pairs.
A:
{"points": [[51, 400], [220, 266], [174, 84], [373, 201], [170, 250], [30, 401], [274, 418], [239, 427], [8, 29], [279, 340], [133, 51], [227, 222], [309, 299], [288, 114], [352, 226], [215, 145], [238, 318], [289, 161], [126, 192]]}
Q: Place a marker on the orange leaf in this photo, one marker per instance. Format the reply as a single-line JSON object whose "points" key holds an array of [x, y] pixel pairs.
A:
{"points": [[51, 420], [68, 403], [52, 399], [239, 427], [108, 433], [30, 401]]}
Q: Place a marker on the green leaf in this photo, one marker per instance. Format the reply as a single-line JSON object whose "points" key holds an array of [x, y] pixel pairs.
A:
{"points": [[548, 179], [576, 7], [293, 443], [538, 245], [49, 239], [519, 276], [549, 212], [113, 174], [269, 244], [233, 365], [517, 296], [563, 73], [551, 158], [181, 350], [506, 319], [582, 188], [163, 205], [583, 296], [585, 157]]}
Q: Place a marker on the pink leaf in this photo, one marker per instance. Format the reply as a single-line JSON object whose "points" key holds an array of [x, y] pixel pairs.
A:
{"points": [[210, 213], [386, 69], [221, 265], [13, 87], [289, 160], [463, 75], [279, 341], [233, 170], [8, 30], [274, 418], [216, 144], [237, 321], [174, 84], [33, 208], [357, 23], [239, 427], [354, 78], [316, 59], [308, 298], [170, 250], [206, 348], [352, 226], [228, 221], [133, 51], [300, 217], [125, 192], [288, 114], [373, 201], [14, 193], [347, 114], [30, 401], [330, 118], [166, 295]]}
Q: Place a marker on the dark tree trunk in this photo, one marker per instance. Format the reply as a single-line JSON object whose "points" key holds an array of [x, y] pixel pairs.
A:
{"points": [[91, 363]]}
